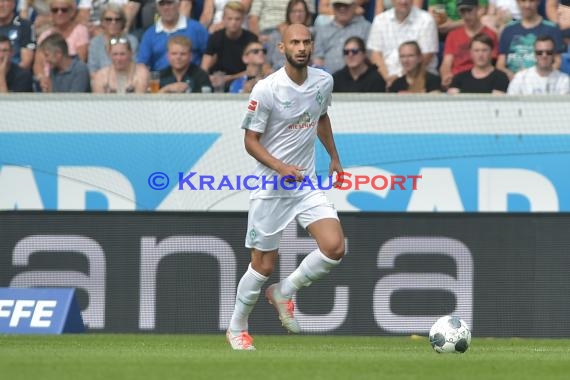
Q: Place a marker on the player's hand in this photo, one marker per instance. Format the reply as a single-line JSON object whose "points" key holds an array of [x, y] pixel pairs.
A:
{"points": [[291, 172], [335, 167]]}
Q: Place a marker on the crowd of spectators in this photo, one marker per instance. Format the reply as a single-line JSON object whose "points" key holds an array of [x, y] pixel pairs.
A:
{"points": [[516, 47]]}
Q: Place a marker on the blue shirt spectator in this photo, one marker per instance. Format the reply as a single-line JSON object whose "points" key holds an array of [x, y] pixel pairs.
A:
{"points": [[153, 46]]}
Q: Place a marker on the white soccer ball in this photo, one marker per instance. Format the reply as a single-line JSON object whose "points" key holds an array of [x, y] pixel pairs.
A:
{"points": [[450, 334]]}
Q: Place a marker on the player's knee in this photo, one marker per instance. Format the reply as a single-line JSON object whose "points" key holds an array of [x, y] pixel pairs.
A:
{"points": [[263, 268], [334, 250]]}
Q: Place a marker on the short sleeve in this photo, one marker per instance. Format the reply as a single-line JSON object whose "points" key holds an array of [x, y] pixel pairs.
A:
{"points": [[328, 96], [258, 108]]}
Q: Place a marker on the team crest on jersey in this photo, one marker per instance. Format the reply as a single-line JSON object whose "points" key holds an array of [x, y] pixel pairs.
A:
{"points": [[319, 98], [252, 106], [304, 118]]}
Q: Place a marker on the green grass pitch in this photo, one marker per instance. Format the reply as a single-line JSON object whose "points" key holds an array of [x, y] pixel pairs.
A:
{"points": [[165, 357]]}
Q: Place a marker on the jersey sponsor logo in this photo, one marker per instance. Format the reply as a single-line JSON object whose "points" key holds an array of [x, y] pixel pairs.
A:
{"points": [[304, 122], [252, 106]]}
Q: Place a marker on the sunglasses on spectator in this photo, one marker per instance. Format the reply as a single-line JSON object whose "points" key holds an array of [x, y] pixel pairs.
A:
{"points": [[113, 19], [350, 51], [544, 52], [466, 9], [165, 2], [62, 10], [118, 40], [257, 51]]}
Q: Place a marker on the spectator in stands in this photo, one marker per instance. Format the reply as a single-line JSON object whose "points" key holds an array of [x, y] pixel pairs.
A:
{"points": [[358, 74], [543, 78], [140, 16], [330, 38], [564, 23], [326, 13], [564, 15], [483, 77], [297, 13], [517, 39], [213, 13], [182, 76], [395, 26], [37, 11], [416, 78], [12, 77], [68, 73], [113, 21], [254, 58], [19, 31], [384, 5], [90, 13], [123, 75], [65, 23], [457, 54], [500, 13], [266, 15], [153, 47], [558, 11], [226, 46], [447, 16]]}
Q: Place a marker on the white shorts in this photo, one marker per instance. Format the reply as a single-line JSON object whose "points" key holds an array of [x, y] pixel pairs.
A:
{"points": [[268, 217]]}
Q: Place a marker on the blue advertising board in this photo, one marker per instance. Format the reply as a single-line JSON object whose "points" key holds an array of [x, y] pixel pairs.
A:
{"points": [[39, 311]]}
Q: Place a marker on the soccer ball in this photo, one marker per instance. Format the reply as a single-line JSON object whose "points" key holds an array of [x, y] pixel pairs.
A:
{"points": [[450, 334]]}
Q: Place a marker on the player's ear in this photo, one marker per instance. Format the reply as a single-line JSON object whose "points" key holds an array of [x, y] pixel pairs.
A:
{"points": [[281, 47]]}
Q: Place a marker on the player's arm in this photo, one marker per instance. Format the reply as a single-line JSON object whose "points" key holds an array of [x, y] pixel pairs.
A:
{"points": [[326, 137], [258, 151]]}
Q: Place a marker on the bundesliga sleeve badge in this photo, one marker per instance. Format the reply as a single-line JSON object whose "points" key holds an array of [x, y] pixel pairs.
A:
{"points": [[252, 106]]}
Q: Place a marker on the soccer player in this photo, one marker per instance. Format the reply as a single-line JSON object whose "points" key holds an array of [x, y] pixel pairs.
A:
{"points": [[286, 112]]}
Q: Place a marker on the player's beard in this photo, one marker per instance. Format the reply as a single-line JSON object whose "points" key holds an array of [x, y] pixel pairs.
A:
{"points": [[295, 64]]}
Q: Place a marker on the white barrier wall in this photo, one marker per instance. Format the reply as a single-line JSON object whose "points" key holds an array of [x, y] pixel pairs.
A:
{"points": [[99, 152]]}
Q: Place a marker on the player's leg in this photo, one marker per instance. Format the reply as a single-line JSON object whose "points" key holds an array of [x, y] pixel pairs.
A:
{"points": [[247, 294], [263, 236], [321, 219], [317, 264]]}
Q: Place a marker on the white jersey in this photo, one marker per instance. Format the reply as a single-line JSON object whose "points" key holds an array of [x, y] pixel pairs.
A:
{"points": [[529, 82], [287, 115]]}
